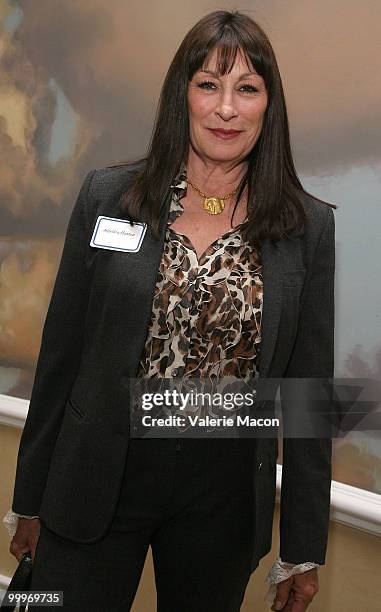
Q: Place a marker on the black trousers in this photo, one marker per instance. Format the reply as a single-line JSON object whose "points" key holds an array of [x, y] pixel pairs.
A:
{"points": [[192, 501]]}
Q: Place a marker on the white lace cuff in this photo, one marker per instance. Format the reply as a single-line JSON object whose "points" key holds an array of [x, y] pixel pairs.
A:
{"points": [[281, 570], [11, 520]]}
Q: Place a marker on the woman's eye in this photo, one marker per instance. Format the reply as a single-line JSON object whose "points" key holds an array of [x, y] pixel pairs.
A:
{"points": [[206, 84], [249, 88]]}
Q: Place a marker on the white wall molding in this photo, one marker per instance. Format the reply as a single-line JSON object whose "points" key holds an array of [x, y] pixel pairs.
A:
{"points": [[351, 506], [4, 583], [13, 411]]}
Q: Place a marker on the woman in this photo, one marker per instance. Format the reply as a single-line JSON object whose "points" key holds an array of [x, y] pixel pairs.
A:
{"points": [[228, 271]]}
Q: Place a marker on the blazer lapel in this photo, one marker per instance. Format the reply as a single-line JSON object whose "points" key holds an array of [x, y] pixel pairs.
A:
{"points": [[143, 276], [272, 303]]}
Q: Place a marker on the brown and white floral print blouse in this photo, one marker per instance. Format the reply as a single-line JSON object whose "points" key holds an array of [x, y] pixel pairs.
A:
{"points": [[206, 313]]}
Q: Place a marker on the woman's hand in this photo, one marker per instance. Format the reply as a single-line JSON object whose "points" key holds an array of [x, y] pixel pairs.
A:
{"points": [[25, 538], [296, 593]]}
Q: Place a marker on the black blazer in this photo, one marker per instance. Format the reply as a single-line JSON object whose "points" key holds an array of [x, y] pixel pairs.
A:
{"points": [[75, 439]]}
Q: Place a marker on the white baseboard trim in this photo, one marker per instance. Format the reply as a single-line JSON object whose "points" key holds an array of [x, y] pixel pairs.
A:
{"points": [[13, 411], [4, 582], [351, 506]]}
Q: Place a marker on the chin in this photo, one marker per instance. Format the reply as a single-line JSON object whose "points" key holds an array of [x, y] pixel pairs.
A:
{"points": [[220, 150], [222, 156]]}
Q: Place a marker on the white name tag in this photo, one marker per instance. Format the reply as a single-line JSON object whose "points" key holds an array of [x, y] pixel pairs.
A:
{"points": [[118, 234]]}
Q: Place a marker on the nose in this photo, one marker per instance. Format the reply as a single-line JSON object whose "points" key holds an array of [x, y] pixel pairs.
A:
{"points": [[226, 105]]}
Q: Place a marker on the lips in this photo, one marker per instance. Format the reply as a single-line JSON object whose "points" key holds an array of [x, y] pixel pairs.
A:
{"points": [[220, 133]]}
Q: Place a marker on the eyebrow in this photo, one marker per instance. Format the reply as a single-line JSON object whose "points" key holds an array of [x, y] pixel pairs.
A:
{"points": [[241, 76]]}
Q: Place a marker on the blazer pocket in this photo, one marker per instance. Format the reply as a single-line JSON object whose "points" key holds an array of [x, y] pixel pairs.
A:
{"points": [[76, 409]]}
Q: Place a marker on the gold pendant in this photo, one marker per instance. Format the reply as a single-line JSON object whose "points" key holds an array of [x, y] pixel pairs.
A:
{"points": [[214, 206]]}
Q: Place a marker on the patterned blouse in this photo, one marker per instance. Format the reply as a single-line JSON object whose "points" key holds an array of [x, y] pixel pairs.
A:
{"points": [[205, 322], [206, 313]]}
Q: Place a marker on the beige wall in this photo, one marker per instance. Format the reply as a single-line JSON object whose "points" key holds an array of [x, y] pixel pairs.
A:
{"points": [[349, 581]]}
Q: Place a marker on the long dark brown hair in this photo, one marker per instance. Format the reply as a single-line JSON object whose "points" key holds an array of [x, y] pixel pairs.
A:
{"points": [[274, 190]]}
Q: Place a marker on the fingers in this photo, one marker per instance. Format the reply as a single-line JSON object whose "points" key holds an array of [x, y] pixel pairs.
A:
{"points": [[282, 594], [305, 587], [302, 596], [17, 550], [25, 538], [296, 593], [289, 607]]}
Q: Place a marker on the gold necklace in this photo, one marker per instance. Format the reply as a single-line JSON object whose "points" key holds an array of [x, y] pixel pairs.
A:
{"points": [[212, 204]]}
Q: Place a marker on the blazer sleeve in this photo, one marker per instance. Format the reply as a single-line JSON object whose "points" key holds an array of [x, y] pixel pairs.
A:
{"points": [[307, 462], [58, 360]]}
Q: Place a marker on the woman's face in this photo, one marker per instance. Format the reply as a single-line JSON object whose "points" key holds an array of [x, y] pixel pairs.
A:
{"points": [[234, 101]]}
